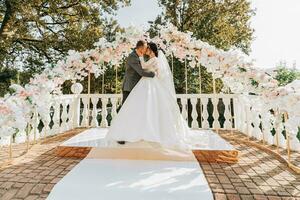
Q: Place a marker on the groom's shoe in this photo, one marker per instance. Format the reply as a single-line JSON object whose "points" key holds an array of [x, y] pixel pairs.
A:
{"points": [[121, 142]]}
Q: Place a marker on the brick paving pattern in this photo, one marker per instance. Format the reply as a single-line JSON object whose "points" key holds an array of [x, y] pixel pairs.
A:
{"points": [[257, 175]]}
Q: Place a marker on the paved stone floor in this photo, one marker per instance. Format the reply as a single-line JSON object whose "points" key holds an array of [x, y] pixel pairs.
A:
{"points": [[257, 175]]}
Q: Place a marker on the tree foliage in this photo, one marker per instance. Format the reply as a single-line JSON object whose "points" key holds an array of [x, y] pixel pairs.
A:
{"points": [[36, 33], [224, 24], [285, 75], [39, 32]]}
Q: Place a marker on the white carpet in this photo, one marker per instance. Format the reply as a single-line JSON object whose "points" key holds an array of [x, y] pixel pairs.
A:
{"points": [[136, 171], [105, 179], [94, 137]]}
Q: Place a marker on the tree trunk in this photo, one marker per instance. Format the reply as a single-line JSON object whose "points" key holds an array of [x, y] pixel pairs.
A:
{"points": [[8, 14]]}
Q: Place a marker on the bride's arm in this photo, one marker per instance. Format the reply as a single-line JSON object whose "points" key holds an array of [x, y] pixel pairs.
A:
{"points": [[146, 65]]}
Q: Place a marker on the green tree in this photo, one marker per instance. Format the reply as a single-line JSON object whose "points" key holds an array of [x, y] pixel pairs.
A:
{"points": [[224, 24], [40, 31], [285, 75], [35, 34]]}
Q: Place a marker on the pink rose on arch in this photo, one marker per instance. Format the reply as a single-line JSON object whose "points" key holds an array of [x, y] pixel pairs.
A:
{"points": [[24, 94], [5, 110]]}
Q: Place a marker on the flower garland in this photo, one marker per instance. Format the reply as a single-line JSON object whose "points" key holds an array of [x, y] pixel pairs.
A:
{"points": [[231, 66]]}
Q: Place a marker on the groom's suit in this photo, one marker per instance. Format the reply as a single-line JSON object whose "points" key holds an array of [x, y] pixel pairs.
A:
{"points": [[133, 74]]}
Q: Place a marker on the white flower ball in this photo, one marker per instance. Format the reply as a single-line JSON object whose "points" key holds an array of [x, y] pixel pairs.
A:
{"points": [[76, 88]]}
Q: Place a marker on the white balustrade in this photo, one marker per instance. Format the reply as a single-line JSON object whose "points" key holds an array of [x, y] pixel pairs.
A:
{"points": [[82, 110], [256, 122]]}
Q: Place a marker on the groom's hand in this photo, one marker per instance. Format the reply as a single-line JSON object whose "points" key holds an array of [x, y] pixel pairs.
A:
{"points": [[154, 74]]}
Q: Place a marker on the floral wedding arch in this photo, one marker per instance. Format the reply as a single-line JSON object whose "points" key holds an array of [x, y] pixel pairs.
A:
{"points": [[236, 73]]}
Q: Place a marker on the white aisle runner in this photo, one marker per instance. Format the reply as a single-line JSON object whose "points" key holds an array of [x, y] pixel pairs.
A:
{"points": [[107, 179], [94, 137], [135, 171]]}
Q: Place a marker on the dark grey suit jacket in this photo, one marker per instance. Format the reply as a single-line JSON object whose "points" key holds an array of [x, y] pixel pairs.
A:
{"points": [[134, 72]]}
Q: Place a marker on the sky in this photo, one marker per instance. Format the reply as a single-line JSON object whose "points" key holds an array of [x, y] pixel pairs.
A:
{"points": [[276, 24]]}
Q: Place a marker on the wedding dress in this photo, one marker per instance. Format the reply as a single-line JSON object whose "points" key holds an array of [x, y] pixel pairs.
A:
{"points": [[151, 112]]}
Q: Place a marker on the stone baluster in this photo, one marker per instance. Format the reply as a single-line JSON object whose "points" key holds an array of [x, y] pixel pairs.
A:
{"points": [[204, 102], [194, 113], [85, 113], [249, 121], [266, 127], [114, 102], [215, 101], [104, 122], [244, 116], [256, 122], [56, 116], [184, 113], [64, 115], [70, 114], [95, 112], [46, 119], [75, 112], [227, 113], [34, 126], [235, 123]]}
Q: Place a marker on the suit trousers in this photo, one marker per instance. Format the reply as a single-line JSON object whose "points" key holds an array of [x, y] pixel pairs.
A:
{"points": [[125, 95]]}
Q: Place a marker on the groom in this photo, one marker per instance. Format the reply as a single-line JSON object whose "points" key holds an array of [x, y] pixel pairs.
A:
{"points": [[134, 71]]}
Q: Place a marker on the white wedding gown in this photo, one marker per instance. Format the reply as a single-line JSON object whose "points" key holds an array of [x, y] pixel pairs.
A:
{"points": [[150, 113]]}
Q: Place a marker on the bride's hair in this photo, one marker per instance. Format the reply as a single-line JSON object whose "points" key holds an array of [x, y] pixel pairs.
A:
{"points": [[153, 47]]}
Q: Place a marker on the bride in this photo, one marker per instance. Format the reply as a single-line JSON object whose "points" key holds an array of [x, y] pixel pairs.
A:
{"points": [[150, 112]]}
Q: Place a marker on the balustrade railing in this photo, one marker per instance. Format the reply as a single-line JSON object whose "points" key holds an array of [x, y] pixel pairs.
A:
{"points": [[205, 111], [258, 122], [200, 110]]}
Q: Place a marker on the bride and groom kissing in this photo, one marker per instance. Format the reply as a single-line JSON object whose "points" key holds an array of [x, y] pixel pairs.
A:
{"points": [[149, 109]]}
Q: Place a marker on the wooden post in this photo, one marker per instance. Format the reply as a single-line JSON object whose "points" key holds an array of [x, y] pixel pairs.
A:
{"points": [[172, 58], [18, 77], [277, 135], [288, 146], [103, 83], [231, 112], [116, 80], [89, 83], [27, 136], [186, 81], [200, 91], [247, 120], [10, 147], [200, 79], [35, 125], [89, 97], [215, 97], [263, 132]]}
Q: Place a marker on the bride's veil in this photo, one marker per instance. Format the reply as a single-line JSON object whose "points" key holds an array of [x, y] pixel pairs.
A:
{"points": [[165, 74]]}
